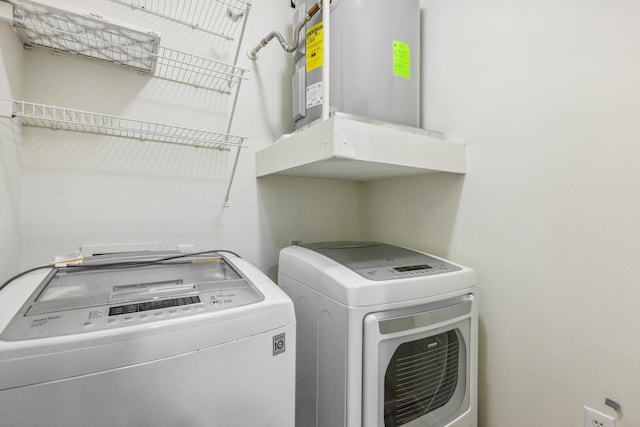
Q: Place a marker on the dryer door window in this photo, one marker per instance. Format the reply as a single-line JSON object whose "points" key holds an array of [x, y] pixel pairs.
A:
{"points": [[423, 376], [417, 367]]}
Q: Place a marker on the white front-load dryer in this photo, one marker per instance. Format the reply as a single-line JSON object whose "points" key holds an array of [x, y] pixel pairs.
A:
{"points": [[386, 336], [154, 339]]}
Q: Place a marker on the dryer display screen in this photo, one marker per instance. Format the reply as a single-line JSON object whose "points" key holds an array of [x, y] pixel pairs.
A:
{"points": [[412, 268]]}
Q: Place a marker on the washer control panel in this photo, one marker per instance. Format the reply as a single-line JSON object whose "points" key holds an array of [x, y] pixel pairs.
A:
{"points": [[38, 324]]}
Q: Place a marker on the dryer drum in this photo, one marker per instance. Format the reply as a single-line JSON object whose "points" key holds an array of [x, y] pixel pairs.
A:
{"points": [[421, 377]]}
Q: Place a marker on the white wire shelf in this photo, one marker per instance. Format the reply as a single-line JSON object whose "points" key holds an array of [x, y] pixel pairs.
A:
{"points": [[91, 36], [48, 116], [197, 71], [222, 18], [40, 25]]}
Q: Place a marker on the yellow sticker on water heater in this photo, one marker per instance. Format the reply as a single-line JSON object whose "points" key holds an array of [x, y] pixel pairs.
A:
{"points": [[401, 59], [313, 56]]}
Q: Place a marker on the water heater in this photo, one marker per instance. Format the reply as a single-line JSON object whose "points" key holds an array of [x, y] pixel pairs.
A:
{"points": [[374, 61]]}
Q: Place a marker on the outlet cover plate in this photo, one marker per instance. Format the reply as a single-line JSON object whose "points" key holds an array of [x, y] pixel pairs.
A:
{"points": [[593, 418]]}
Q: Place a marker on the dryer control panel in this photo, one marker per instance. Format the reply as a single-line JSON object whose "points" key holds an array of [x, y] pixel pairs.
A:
{"points": [[106, 295], [378, 261]]}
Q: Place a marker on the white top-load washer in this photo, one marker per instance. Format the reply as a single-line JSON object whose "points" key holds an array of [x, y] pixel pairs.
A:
{"points": [[150, 339], [386, 336]]}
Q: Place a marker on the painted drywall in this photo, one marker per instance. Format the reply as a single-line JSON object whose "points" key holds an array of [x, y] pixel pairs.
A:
{"points": [[10, 140], [82, 189], [546, 96]]}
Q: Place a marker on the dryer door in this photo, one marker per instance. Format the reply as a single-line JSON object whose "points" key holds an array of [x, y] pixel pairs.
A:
{"points": [[417, 366]]}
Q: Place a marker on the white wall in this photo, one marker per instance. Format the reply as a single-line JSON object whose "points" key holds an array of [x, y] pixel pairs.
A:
{"points": [[81, 189], [10, 139], [543, 92], [546, 95]]}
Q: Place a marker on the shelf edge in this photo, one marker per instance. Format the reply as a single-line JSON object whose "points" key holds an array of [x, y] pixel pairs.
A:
{"points": [[346, 139]]}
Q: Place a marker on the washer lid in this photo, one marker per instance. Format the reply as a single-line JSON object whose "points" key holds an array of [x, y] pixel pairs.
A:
{"points": [[379, 261], [106, 293], [101, 280]]}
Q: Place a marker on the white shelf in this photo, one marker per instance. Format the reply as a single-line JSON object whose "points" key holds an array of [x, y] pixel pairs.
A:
{"points": [[90, 36], [354, 149], [85, 34], [219, 17], [40, 24], [197, 71], [48, 116]]}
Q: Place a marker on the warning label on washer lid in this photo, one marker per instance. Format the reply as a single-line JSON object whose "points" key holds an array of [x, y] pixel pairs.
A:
{"points": [[401, 59], [314, 95], [313, 56]]}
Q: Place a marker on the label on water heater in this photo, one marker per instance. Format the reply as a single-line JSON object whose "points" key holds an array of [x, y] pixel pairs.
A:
{"points": [[314, 95], [401, 59], [313, 55]]}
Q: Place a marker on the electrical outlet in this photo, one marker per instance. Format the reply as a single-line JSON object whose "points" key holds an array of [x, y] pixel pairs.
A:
{"points": [[593, 418]]}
